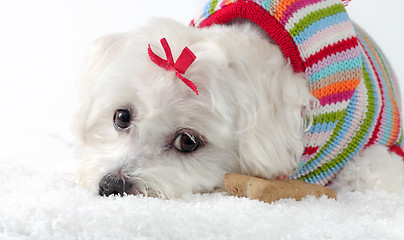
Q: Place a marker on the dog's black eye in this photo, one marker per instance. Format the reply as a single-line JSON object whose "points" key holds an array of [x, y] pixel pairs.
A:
{"points": [[122, 119], [186, 142]]}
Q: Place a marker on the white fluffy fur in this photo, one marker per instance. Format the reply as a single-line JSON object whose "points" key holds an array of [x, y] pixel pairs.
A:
{"points": [[250, 110]]}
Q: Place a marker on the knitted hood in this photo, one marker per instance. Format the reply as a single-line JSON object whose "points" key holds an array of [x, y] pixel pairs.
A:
{"points": [[346, 73]]}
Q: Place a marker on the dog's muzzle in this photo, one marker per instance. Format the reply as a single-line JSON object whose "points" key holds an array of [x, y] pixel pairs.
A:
{"points": [[110, 185]]}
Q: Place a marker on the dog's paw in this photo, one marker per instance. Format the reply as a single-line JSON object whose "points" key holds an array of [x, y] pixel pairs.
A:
{"points": [[374, 168]]}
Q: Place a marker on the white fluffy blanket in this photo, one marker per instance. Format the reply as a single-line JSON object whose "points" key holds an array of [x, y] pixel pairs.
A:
{"points": [[39, 200]]}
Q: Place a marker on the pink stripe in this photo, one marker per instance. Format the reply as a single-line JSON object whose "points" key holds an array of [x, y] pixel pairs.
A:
{"points": [[337, 97], [224, 3], [317, 138]]}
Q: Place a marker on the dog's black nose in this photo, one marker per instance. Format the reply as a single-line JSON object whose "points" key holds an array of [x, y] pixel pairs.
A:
{"points": [[113, 186]]}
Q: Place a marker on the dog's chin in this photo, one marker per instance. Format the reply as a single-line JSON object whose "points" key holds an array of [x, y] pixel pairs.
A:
{"points": [[160, 175], [140, 187]]}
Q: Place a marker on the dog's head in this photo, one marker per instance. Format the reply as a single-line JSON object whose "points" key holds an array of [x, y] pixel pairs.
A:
{"points": [[144, 131]]}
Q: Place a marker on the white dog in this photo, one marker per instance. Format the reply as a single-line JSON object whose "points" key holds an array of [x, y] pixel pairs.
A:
{"points": [[144, 131]]}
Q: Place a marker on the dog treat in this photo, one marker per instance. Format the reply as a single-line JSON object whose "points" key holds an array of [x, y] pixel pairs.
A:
{"points": [[272, 190]]}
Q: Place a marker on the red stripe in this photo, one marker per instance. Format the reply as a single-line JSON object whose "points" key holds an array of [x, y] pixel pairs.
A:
{"points": [[310, 150], [257, 14], [340, 46], [377, 127]]}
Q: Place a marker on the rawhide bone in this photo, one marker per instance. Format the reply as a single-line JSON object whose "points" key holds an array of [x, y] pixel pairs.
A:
{"points": [[272, 190]]}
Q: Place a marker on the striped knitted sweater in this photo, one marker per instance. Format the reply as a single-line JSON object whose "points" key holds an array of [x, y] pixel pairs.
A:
{"points": [[347, 73]]}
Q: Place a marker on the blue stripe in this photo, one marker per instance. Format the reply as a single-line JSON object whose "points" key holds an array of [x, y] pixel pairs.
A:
{"points": [[206, 9], [338, 67], [266, 4], [319, 26], [322, 127]]}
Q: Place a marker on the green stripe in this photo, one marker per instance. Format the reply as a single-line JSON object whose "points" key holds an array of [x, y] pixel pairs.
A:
{"points": [[315, 16], [354, 144], [326, 145], [212, 6], [335, 133], [400, 140], [328, 117]]}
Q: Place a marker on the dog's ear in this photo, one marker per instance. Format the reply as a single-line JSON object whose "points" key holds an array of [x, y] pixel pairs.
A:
{"points": [[99, 56], [272, 122]]}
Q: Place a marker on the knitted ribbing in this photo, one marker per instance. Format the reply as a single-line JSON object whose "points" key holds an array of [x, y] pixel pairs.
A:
{"points": [[347, 73]]}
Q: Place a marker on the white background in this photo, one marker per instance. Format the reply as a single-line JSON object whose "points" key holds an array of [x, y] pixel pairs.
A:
{"points": [[43, 42]]}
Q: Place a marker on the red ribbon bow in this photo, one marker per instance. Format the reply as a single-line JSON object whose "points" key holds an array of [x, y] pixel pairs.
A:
{"points": [[180, 66]]}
